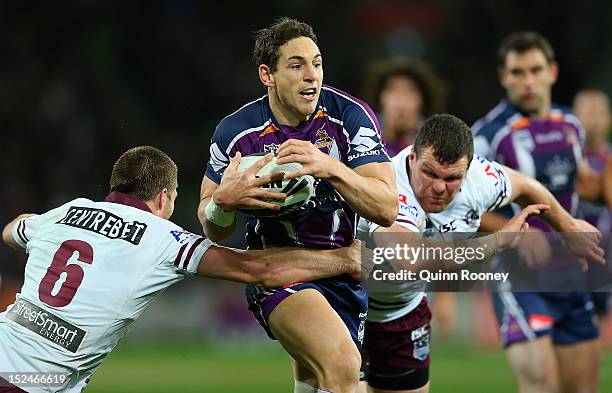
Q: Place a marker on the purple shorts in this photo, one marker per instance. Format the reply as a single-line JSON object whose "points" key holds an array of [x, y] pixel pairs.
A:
{"points": [[346, 296]]}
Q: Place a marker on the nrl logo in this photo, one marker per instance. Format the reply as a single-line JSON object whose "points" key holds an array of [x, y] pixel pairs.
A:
{"points": [[324, 140], [271, 148], [471, 218]]}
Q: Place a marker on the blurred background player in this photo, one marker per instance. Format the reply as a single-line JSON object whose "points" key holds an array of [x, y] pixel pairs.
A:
{"points": [[592, 107], [403, 93], [94, 267], [336, 139], [551, 338]]}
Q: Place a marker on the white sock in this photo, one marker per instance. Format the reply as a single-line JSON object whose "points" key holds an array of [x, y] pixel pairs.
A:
{"points": [[301, 387], [322, 391]]}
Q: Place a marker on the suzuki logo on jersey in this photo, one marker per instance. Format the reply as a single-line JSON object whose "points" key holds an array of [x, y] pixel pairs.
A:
{"points": [[451, 226], [550, 137], [403, 199], [375, 152]]}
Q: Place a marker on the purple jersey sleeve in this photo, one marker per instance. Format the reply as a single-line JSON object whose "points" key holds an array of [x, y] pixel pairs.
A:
{"points": [[219, 155], [365, 143]]}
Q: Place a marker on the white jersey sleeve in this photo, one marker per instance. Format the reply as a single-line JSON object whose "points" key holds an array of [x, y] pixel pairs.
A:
{"points": [[411, 217], [28, 228], [92, 269], [25, 229], [491, 181], [185, 251]]}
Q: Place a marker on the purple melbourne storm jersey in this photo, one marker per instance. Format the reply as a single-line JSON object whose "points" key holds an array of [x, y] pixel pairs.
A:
{"points": [[549, 150], [342, 126], [597, 215]]}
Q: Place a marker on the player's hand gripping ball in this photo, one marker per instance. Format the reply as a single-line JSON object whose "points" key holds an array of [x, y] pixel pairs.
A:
{"points": [[298, 190]]}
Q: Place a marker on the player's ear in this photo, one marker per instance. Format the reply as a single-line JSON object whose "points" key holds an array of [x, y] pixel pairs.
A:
{"points": [[411, 157], [161, 199], [265, 75], [165, 197]]}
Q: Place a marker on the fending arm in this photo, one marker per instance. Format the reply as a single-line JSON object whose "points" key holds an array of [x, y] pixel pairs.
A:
{"points": [[275, 267]]}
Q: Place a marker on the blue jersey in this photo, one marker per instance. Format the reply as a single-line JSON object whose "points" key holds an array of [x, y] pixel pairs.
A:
{"points": [[343, 127], [548, 150]]}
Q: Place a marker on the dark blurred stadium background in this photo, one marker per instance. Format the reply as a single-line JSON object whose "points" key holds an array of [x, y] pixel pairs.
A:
{"points": [[80, 82]]}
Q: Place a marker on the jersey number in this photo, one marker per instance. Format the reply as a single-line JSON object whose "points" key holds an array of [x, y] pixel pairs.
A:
{"points": [[74, 273]]}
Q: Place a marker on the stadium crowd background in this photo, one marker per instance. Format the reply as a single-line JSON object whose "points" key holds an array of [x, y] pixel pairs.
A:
{"points": [[83, 81]]}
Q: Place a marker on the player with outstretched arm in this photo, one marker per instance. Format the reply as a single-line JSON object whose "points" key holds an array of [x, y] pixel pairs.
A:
{"points": [[94, 267], [444, 189]]}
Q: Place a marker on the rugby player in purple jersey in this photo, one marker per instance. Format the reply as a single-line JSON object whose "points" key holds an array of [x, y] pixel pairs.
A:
{"points": [[336, 138], [551, 338]]}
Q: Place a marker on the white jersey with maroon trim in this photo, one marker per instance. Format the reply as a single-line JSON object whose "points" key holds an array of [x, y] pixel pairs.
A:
{"points": [[92, 269], [485, 188]]}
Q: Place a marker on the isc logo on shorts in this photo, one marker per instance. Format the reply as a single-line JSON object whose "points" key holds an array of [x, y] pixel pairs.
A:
{"points": [[419, 332], [420, 343]]}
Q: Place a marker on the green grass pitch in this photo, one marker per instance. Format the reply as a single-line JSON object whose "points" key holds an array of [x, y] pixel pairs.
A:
{"points": [[195, 367]]}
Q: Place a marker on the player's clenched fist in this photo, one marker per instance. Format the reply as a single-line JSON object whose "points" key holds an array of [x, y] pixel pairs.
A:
{"points": [[582, 241]]}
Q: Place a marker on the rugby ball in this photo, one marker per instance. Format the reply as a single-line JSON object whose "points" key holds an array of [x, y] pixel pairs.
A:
{"points": [[298, 190]]}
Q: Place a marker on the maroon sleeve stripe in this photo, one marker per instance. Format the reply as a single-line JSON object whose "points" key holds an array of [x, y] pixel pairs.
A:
{"points": [[23, 232], [180, 254], [404, 221], [20, 229], [191, 250]]}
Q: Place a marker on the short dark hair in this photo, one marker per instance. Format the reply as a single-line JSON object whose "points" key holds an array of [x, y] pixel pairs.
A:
{"points": [[431, 88], [142, 172], [523, 41], [269, 40], [448, 136]]}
